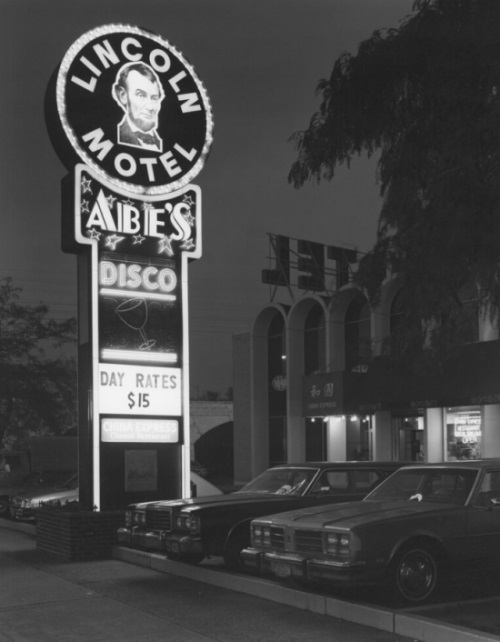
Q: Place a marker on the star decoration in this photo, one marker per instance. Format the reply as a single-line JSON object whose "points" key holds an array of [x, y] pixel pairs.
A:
{"points": [[165, 245], [189, 218], [187, 245], [111, 200], [86, 185], [94, 234], [146, 206], [188, 200], [138, 239], [113, 240], [128, 202], [85, 207]]}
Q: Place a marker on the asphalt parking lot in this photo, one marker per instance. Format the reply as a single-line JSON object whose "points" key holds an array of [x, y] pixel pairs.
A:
{"points": [[138, 595]]}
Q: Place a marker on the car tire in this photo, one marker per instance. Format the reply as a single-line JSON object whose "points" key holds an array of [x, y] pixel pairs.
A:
{"points": [[416, 572], [4, 507], [235, 543]]}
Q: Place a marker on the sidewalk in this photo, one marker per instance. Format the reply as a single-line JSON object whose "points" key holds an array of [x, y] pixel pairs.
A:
{"points": [[43, 599], [141, 596]]}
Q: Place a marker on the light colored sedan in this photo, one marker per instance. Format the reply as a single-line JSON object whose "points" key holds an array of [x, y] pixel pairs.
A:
{"points": [[422, 523], [23, 506]]}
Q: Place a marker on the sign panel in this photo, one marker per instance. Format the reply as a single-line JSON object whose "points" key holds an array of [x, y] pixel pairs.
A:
{"points": [[161, 226], [133, 109], [139, 390], [141, 470], [139, 310], [133, 430], [322, 395]]}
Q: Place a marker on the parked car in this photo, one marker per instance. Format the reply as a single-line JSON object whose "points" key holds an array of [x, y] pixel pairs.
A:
{"points": [[198, 468], [23, 506], [29, 483], [191, 529], [420, 524]]}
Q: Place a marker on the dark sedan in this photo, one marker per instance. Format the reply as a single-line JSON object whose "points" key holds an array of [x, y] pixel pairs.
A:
{"points": [[418, 525], [192, 529]]}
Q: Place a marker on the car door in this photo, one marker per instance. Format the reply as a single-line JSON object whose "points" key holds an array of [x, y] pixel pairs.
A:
{"points": [[483, 521]]}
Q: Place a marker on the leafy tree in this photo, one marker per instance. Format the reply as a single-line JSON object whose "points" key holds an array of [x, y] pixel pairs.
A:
{"points": [[425, 97], [37, 384]]}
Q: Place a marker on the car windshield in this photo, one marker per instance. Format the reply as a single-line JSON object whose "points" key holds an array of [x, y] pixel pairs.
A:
{"points": [[281, 481], [437, 485]]}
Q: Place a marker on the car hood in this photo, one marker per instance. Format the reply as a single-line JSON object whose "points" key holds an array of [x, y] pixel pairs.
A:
{"points": [[213, 501], [352, 514], [51, 496]]}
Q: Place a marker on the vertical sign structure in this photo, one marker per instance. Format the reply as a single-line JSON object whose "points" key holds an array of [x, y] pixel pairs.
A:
{"points": [[132, 121]]}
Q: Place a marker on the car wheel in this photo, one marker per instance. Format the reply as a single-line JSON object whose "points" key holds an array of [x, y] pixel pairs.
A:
{"points": [[235, 543], [4, 507], [416, 572]]}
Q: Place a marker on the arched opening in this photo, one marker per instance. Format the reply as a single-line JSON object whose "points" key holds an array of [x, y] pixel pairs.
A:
{"points": [[314, 340], [357, 334]]}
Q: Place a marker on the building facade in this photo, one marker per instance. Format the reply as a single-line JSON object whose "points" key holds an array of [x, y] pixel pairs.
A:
{"points": [[312, 383]]}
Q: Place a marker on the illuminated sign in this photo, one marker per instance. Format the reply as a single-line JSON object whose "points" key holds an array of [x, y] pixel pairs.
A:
{"points": [[114, 430], [131, 120], [322, 394], [126, 389], [468, 426], [134, 110], [116, 221]]}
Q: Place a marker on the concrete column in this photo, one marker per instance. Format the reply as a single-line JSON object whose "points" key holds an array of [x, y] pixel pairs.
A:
{"points": [[336, 442], [382, 436], [259, 415], [490, 424], [434, 442], [488, 328]]}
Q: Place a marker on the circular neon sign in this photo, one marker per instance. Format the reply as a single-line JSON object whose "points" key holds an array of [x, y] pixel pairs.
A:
{"points": [[134, 110]]}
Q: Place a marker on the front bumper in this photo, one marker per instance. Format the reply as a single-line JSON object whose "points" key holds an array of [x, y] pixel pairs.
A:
{"points": [[178, 544], [137, 537], [306, 569], [22, 514]]}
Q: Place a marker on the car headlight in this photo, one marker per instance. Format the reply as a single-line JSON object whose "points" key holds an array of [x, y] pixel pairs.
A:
{"points": [[188, 522], [337, 544], [261, 535], [139, 518]]}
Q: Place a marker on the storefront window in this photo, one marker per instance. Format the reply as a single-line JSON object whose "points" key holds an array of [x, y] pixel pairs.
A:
{"points": [[463, 433], [358, 438], [315, 439], [408, 435]]}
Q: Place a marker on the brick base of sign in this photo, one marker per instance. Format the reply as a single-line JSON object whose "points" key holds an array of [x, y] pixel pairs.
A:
{"points": [[80, 535]]}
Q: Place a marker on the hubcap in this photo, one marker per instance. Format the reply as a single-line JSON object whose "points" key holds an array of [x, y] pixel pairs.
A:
{"points": [[416, 575]]}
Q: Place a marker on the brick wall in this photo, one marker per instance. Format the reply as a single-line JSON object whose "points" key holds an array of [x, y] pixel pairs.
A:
{"points": [[80, 535]]}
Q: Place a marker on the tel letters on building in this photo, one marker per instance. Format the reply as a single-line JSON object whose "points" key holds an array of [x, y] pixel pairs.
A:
{"points": [[132, 122]]}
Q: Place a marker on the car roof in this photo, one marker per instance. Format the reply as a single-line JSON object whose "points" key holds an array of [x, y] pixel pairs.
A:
{"points": [[459, 463], [343, 464]]}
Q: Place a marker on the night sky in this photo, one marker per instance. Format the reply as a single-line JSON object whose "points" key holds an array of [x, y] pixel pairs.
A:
{"points": [[260, 62]]}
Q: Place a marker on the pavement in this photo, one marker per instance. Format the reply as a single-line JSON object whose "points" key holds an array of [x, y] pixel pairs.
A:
{"points": [[143, 596]]}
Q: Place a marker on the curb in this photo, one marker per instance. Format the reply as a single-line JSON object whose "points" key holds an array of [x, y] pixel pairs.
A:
{"points": [[399, 622], [23, 527]]}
